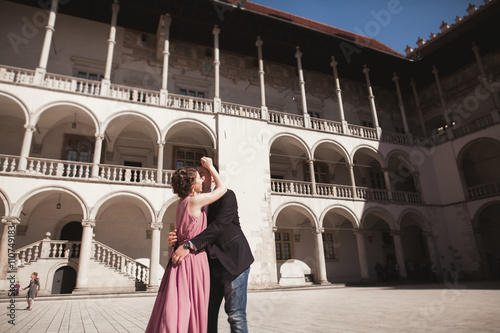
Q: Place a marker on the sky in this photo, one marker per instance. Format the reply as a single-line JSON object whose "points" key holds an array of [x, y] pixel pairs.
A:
{"points": [[396, 23]]}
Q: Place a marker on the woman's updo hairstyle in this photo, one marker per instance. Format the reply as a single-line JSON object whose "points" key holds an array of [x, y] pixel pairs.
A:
{"points": [[182, 180]]}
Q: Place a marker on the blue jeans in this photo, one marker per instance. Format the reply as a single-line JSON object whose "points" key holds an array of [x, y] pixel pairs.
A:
{"points": [[234, 291]]}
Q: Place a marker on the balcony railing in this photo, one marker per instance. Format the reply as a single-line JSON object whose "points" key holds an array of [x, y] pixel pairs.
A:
{"points": [[241, 110], [363, 132], [484, 190], [284, 118], [150, 97], [343, 192], [190, 103], [83, 171]]}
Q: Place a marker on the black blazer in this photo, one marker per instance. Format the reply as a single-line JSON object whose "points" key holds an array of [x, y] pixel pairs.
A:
{"points": [[223, 236]]}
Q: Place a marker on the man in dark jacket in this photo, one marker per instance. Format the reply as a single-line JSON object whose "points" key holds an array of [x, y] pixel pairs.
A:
{"points": [[229, 257]]}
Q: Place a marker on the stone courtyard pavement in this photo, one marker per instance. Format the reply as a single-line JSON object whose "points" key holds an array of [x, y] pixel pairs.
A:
{"points": [[465, 307]]}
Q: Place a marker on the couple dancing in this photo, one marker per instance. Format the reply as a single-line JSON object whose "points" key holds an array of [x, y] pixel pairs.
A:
{"points": [[211, 260]]}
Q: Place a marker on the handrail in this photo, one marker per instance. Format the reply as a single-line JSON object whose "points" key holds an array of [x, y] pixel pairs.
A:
{"points": [[120, 262]]}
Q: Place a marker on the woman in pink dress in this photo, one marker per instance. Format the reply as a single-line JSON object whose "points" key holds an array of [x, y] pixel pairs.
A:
{"points": [[182, 301]]}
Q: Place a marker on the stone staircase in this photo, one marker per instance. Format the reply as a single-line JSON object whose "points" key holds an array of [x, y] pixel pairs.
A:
{"points": [[109, 269]]}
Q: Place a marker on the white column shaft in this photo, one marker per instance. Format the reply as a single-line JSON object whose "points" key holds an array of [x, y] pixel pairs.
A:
{"points": [[399, 255], [49, 31], [85, 254], [25, 149], [363, 263], [154, 261], [111, 41]]}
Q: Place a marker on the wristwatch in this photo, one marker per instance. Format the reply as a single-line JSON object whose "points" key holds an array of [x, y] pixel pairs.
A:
{"points": [[187, 245]]}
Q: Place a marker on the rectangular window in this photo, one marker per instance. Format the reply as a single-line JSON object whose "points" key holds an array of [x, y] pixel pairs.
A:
{"points": [[283, 244], [377, 179], [188, 157], [321, 173], [328, 245], [191, 93]]}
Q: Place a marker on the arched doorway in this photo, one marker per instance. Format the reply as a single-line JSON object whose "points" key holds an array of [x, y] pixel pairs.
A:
{"points": [[487, 233], [72, 231], [64, 280]]}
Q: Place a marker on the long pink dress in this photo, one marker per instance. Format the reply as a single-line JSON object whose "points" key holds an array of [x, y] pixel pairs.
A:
{"points": [[182, 301]]}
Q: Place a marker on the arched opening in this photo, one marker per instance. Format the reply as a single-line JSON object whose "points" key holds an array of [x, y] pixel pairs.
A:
{"points": [[64, 280], [487, 234], [72, 231]]}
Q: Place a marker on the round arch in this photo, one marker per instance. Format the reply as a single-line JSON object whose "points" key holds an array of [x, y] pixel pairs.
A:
{"points": [[299, 207], [372, 153], [403, 157], [120, 114], [380, 213], [53, 269], [105, 199], [334, 143], [197, 122], [16, 211], [44, 108], [6, 202], [420, 219], [293, 137], [165, 206], [22, 106], [341, 210]]}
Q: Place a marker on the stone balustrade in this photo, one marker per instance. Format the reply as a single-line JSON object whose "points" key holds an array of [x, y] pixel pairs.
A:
{"points": [[120, 262]]}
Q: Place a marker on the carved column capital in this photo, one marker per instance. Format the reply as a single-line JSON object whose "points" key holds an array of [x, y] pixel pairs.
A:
{"points": [[259, 42], [156, 226], [11, 220], [317, 230], [298, 54], [358, 231], [216, 30], [88, 223]]}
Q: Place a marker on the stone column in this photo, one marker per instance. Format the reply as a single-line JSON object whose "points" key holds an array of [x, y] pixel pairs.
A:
{"points": [[302, 83], [313, 176], [371, 98], [433, 254], [396, 235], [85, 254], [320, 256], [353, 180], [154, 261], [395, 78], [484, 80], [338, 91], [25, 149], [263, 107], [97, 155], [217, 100], [449, 126], [159, 175], [44, 57], [363, 262], [166, 55], [106, 82], [419, 108], [7, 260], [387, 184]]}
